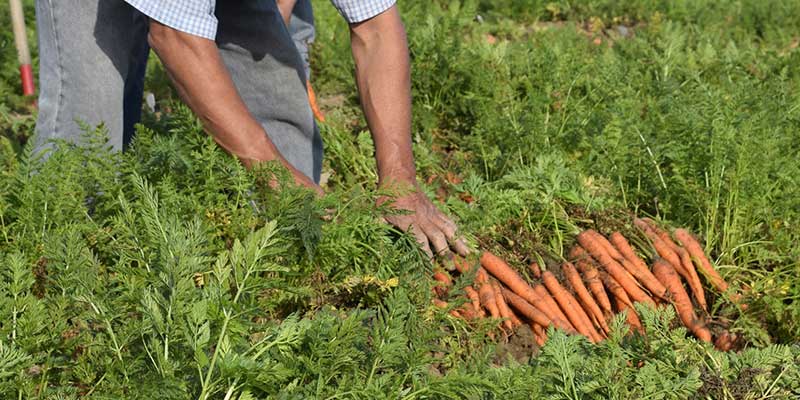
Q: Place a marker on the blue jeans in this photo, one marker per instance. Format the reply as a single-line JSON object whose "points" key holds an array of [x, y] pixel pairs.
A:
{"points": [[93, 56]]}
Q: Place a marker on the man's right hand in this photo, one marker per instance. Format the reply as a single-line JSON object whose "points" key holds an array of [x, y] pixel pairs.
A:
{"points": [[203, 82]]}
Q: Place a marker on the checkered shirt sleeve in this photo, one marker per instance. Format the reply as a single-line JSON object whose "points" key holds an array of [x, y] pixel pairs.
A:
{"points": [[361, 10], [195, 17]]}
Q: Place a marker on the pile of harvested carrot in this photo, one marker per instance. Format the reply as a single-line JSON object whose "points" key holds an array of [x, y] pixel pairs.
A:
{"points": [[604, 276]]}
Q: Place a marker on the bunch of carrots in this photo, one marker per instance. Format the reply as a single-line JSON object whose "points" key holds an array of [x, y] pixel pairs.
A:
{"points": [[604, 276]]}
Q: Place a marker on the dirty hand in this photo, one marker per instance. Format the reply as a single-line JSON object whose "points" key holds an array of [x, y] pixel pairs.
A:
{"points": [[302, 180], [436, 233]]}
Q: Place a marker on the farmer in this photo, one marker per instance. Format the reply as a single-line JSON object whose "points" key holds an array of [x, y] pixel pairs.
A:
{"points": [[235, 65]]}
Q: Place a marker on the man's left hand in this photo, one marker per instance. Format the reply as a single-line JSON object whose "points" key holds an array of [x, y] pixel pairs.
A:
{"points": [[434, 231]]}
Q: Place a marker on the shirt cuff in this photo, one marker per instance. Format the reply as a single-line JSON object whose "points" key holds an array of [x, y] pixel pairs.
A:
{"points": [[195, 17], [355, 11]]}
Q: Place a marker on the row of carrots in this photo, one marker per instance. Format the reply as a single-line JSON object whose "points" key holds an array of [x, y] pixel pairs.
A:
{"points": [[604, 276]]}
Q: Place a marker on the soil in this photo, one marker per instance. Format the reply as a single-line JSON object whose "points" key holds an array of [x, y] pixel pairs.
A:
{"points": [[521, 345]]}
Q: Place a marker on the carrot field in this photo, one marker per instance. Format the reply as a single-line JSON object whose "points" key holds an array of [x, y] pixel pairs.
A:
{"points": [[170, 271]]}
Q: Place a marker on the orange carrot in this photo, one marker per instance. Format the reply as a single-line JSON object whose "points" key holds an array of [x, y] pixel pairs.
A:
{"points": [[724, 341], [312, 101], [539, 334], [686, 263], [624, 247], [526, 309], [695, 285], [570, 306], [637, 267], [488, 301], [578, 253], [515, 321], [444, 283], [592, 279], [610, 249], [663, 249], [535, 270], [585, 298], [622, 302], [476, 301], [481, 276], [699, 256], [462, 265], [630, 315], [467, 311], [548, 304], [680, 299], [443, 304], [616, 270], [443, 277], [683, 264], [615, 290], [505, 312], [505, 274]]}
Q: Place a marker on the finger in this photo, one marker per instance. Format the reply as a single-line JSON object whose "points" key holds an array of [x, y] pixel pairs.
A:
{"points": [[437, 238], [461, 248], [422, 239], [448, 226], [450, 231]]}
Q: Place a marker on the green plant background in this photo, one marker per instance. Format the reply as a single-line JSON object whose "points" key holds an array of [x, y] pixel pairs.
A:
{"points": [[170, 272]]}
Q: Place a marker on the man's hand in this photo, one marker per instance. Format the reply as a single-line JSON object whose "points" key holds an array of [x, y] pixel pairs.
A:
{"points": [[203, 82], [432, 229]]}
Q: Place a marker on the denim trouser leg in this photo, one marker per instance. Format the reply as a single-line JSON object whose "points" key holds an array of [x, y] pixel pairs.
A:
{"points": [[268, 72], [92, 56], [301, 28]]}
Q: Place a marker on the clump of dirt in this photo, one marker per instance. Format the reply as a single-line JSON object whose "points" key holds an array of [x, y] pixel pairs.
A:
{"points": [[605, 221], [40, 278], [521, 345], [716, 387], [515, 243]]}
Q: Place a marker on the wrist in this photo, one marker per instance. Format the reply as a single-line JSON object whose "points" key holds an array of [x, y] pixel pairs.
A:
{"points": [[398, 180]]}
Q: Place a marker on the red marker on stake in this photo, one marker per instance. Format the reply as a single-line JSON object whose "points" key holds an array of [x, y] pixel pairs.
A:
{"points": [[23, 52]]}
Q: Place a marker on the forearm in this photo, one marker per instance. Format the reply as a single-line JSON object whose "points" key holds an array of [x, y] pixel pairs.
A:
{"points": [[383, 75], [203, 82], [380, 51]]}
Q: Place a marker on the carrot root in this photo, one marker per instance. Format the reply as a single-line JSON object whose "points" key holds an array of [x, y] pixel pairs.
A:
{"points": [[539, 334], [622, 302], [444, 283], [697, 254], [486, 295], [570, 306], [680, 299], [505, 274], [614, 268], [535, 270], [637, 267], [526, 309], [595, 284], [584, 297], [502, 306], [475, 300]]}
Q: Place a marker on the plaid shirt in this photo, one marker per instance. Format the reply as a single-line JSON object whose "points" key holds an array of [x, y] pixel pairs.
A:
{"points": [[196, 17]]}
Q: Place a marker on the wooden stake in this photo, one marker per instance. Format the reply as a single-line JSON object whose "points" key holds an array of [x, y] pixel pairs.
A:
{"points": [[23, 52]]}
